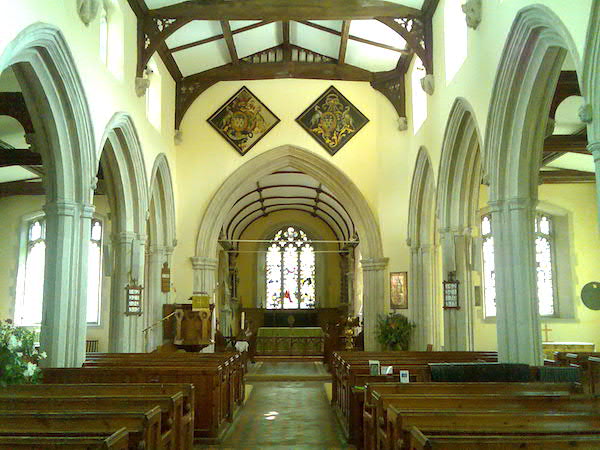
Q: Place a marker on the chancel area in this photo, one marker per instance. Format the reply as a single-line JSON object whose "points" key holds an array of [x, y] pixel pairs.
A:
{"points": [[299, 224]]}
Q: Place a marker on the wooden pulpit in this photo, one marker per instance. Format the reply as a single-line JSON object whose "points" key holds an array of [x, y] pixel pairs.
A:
{"points": [[190, 327]]}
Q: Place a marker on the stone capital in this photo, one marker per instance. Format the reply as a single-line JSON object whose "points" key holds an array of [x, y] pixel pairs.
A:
{"points": [[594, 149], [87, 10], [520, 203], [61, 208], [204, 263], [428, 84], [402, 124], [141, 85], [472, 10], [87, 211], [374, 264], [124, 237]]}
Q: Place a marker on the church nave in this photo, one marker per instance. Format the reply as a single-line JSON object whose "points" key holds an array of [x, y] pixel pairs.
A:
{"points": [[285, 414]]}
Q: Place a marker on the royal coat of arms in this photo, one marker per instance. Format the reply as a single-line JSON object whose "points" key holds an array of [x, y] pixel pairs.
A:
{"points": [[332, 120], [243, 120]]}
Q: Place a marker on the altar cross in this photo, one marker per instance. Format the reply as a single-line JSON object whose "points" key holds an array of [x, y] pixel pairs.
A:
{"points": [[546, 330]]}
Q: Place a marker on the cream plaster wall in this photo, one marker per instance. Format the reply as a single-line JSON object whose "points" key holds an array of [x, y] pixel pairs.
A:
{"points": [[327, 264], [580, 202]]}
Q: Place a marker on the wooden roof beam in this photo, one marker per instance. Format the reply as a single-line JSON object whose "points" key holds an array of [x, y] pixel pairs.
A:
{"points": [[344, 41], [287, 49], [288, 10], [569, 143], [19, 157], [316, 26], [21, 188], [566, 176], [229, 41]]}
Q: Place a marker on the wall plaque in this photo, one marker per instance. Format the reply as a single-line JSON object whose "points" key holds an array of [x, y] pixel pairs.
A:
{"points": [[332, 120], [243, 120]]}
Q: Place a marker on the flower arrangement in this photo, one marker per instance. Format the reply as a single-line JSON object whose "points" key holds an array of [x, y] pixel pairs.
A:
{"points": [[18, 356], [394, 331]]}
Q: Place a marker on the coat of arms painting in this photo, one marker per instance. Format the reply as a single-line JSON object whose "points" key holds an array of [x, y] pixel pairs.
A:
{"points": [[332, 120], [243, 120]]}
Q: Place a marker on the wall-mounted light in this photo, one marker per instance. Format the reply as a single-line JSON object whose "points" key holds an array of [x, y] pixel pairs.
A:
{"points": [[451, 292]]}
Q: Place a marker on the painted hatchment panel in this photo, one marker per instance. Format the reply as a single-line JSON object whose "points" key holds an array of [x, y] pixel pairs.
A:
{"points": [[243, 120], [332, 120]]}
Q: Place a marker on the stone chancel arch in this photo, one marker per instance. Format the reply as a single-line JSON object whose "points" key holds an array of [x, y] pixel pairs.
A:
{"points": [[56, 100], [373, 262], [527, 75]]}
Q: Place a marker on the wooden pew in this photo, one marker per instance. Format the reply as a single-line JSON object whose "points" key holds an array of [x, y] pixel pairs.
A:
{"points": [[479, 422], [172, 428], [206, 380], [435, 441], [144, 428], [374, 413], [92, 391], [119, 440]]}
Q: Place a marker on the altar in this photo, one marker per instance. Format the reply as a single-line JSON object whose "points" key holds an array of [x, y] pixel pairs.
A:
{"points": [[574, 347], [299, 341]]}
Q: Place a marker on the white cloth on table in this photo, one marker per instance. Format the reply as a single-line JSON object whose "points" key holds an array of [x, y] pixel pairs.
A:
{"points": [[241, 346], [208, 349]]}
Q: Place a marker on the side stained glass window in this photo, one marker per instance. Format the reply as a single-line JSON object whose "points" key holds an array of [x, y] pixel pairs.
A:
{"points": [[290, 271], [489, 270], [28, 308], [544, 243], [544, 264]]}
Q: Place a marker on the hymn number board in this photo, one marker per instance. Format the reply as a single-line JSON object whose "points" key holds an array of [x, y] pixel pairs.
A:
{"points": [[134, 300]]}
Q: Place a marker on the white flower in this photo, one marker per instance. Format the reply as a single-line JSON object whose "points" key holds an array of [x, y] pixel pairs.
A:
{"points": [[43, 355], [30, 371], [20, 354], [13, 343]]}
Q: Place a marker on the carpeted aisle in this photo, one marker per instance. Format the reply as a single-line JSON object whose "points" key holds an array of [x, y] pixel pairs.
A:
{"points": [[285, 415]]}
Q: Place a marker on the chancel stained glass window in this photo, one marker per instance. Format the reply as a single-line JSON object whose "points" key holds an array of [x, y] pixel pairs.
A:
{"points": [[290, 271], [544, 265]]}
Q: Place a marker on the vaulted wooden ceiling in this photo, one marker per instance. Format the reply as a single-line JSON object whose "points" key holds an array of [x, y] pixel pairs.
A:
{"points": [[204, 42]]}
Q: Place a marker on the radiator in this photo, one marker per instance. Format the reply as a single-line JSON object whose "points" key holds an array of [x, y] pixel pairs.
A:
{"points": [[91, 346]]}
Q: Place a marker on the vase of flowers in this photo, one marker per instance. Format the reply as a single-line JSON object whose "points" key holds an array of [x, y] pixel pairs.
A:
{"points": [[394, 331], [18, 356]]}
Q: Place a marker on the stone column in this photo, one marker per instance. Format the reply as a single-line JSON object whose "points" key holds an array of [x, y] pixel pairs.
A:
{"points": [[422, 294], [125, 332], [594, 149], [518, 321], [374, 271], [458, 323], [155, 298], [205, 281], [63, 327]]}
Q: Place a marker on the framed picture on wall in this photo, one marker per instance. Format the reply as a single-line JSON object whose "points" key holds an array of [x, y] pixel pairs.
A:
{"points": [[399, 290]]}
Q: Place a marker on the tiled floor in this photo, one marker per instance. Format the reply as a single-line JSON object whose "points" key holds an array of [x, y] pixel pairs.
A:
{"points": [[286, 414]]}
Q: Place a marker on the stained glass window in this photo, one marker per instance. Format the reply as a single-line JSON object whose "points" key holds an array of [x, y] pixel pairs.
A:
{"points": [[290, 271], [544, 265]]}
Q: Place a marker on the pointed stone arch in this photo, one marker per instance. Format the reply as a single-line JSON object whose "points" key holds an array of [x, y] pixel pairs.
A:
{"points": [[123, 166], [527, 75], [373, 262], [457, 203], [160, 244], [423, 254], [55, 98]]}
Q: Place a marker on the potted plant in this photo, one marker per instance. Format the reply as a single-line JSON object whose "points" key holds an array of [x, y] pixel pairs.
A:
{"points": [[394, 331], [18, 356]]}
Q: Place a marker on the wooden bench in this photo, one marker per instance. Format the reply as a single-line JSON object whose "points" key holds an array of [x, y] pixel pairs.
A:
{"points": [[119, 440], [172, 428], [374, 412], [434, 441], [93, 391], [206, 381], [144, 428], [401, 421]]}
